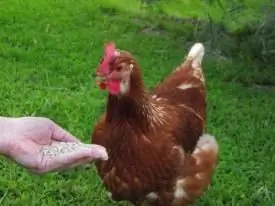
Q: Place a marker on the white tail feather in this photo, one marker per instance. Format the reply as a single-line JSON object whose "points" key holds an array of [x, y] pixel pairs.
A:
{"points": [[208, 142], [196, 53]]}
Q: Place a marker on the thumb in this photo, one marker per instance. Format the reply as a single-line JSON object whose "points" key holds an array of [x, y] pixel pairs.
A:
{"points": [[60, 156], [62, 135]]}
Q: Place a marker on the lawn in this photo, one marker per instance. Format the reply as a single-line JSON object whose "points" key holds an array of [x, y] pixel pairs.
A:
{"points": [[48, 51]]}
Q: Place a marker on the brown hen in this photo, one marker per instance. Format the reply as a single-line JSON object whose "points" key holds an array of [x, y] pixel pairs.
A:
{"points": [[159, 153]]}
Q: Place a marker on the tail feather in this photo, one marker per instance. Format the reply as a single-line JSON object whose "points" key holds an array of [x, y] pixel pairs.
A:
{"points": [[199, 169], [206, 154], [196, 54], [207, 142]]}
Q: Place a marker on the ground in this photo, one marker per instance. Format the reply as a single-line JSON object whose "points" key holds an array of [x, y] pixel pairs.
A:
{"points": [[48, 52]]}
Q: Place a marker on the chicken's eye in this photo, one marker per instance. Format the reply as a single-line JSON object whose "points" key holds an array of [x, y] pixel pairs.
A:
{"points": [[119, 68]]}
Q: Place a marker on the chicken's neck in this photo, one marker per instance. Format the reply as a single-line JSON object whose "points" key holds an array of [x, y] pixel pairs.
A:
{"points": [[133, 108]]}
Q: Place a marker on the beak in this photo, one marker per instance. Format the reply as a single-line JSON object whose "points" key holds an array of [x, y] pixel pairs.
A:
{"points": [[100, 77], [101, 80]]}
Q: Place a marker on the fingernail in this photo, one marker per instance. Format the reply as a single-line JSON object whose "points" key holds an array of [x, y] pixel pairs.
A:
{"points": [[99, 152]]}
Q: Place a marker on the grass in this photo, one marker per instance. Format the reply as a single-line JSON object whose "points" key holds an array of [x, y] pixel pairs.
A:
{"points": [[48, 50]]}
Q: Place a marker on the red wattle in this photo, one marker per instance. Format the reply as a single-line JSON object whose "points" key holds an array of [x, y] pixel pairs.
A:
{"points": [[102, 86], [114, 86]]}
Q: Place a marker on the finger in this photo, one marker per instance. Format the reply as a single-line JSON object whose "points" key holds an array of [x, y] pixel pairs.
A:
{"points": [[60, 134], [77, 163], [47, 169], [60, 156]]}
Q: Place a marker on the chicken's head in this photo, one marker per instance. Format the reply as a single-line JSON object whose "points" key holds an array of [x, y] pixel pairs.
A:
{"points": [[115, 69]]}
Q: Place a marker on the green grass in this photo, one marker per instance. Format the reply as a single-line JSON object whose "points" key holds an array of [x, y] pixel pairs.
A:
{"points": [[196, 8], [48, 51]]}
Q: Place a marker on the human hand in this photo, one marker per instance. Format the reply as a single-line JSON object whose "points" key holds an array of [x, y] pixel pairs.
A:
{"points": [[41, 146]]}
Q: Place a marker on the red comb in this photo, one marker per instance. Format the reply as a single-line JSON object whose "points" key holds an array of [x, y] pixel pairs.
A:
{"points": [[109, 54], [110, 49]]}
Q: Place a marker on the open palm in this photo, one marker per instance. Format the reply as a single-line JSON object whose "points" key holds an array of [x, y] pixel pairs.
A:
{"points": [[41, 146]]}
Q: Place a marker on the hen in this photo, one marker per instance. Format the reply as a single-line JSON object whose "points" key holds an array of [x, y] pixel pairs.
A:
{"points": [[159, 153]]}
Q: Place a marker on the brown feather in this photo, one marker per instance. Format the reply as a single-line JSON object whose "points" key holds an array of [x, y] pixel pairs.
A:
{"points": [[150, 139]]}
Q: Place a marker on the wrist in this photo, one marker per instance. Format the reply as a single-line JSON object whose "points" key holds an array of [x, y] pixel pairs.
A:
{"points": [[6, 130]]}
